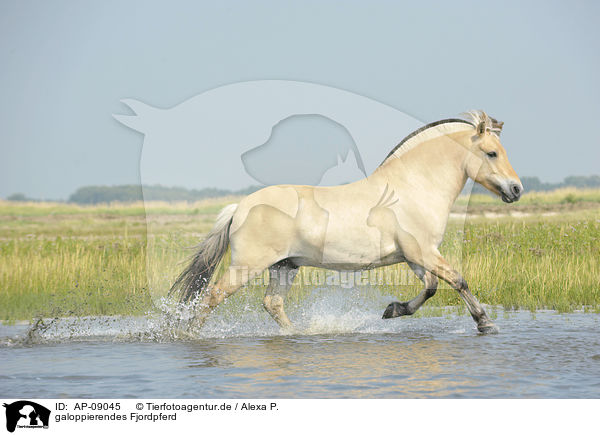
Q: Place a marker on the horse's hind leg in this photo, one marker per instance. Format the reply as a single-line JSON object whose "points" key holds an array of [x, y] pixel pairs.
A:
{"points": [[281, 277], [397, 309], [230, 282]]}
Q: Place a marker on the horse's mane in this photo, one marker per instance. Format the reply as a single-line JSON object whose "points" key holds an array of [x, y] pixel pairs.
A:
{"points": [[470, 119]]}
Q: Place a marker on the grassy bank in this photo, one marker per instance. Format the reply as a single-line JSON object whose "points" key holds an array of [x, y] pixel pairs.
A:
{"points": [[63, 259]]}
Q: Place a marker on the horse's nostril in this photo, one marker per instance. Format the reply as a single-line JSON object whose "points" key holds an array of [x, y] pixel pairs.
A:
{"points": [[516, 189]]}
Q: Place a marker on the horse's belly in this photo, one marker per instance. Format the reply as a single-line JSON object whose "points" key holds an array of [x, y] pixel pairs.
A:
{"points": [[347, 250], [347, 263]]}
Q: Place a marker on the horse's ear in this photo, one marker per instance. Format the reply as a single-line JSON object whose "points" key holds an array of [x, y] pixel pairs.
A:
{"points": [[497, 125], [481, 128]]}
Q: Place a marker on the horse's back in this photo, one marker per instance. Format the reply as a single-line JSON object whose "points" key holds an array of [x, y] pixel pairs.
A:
{"points": [[318, 223]]}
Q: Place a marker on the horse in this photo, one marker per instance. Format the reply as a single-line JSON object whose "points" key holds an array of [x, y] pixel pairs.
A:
{"points": [[397, 214]]}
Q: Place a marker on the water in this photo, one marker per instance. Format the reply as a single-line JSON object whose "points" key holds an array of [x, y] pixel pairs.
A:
{"points": [[343, 350]]}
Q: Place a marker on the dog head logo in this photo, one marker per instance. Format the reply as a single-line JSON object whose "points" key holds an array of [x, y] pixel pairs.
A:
{"points": [[26, 414]]}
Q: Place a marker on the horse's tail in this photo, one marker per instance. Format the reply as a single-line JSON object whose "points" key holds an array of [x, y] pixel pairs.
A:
{"points": [[202, 265]]}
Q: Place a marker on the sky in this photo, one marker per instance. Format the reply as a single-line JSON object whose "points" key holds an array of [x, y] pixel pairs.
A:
{"points": [[65, 66]]}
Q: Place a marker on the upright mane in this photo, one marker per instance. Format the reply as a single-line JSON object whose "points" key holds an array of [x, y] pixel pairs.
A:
{"points": [[470, 119], [476, 117]]}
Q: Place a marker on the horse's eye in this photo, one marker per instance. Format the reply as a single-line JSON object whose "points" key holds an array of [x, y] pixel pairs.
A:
{"points": [[492, 154]]}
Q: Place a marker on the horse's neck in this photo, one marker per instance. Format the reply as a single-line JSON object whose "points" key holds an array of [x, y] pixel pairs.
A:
{"points": [[433, 169]]}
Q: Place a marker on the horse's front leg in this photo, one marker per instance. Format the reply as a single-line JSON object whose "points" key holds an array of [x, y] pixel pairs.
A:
{"points": [[442, 269], [397, 309]]}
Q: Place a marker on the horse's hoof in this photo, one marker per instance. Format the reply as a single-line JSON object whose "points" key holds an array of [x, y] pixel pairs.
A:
{"points": [[396, 309], [488, 328]]}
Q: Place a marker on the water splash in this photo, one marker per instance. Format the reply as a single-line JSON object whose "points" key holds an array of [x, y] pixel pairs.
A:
{"points": [[325, 311]]}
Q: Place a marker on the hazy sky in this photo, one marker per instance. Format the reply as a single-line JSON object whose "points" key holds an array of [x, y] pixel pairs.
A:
{"points": [[65, 66]]}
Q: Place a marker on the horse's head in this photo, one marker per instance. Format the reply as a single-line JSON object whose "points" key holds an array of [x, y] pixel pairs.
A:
{"points": [[488, 163]]}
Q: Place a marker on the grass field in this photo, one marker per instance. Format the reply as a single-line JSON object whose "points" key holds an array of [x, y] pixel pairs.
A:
{"points": [[61, 259]]}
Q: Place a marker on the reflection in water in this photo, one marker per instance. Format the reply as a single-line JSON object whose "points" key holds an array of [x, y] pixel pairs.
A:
{"points": [[352, 366], [548, 355]]}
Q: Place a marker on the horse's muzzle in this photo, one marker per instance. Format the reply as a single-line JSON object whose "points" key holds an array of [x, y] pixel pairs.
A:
{"points": [[512, 194]]}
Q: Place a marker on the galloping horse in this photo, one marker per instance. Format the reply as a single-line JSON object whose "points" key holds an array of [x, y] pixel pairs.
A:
{"points": [[397, 214]]}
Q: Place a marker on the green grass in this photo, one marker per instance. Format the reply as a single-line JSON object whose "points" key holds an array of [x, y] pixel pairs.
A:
{"points": [[534, 263], [63, 259], [72, 277]]}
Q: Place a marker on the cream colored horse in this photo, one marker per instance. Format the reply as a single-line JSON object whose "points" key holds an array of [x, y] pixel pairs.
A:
{"points": [[397, 214]]}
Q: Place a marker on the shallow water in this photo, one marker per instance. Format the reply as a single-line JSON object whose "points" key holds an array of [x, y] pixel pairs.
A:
{"points": [[341, 351]]}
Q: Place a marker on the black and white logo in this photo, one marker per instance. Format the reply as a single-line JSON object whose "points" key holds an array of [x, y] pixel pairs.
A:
{"points": [[26, 414]]}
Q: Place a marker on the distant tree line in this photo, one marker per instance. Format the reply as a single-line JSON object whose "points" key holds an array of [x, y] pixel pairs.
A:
{"points": [[19, 197], [133, 192]]}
